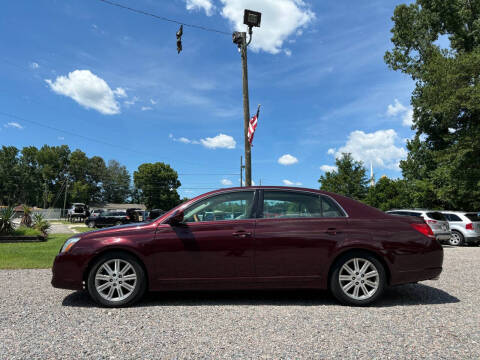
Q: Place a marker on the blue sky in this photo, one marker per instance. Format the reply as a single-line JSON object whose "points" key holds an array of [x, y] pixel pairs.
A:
{"points": [[105, 73]]}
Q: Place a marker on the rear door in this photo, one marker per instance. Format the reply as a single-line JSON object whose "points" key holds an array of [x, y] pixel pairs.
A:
{"points": [[294, 235]]}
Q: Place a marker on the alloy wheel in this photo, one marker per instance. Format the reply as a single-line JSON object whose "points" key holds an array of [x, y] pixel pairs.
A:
{"points": [[455, 239], [115, 280], [359, 279]]}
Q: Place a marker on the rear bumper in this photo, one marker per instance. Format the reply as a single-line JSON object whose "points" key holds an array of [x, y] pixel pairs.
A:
{"points": [[443, 236], [472, 239], [405, 277]]}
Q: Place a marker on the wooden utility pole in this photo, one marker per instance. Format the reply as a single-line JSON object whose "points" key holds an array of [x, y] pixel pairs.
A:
{"points": [[65, 200], [246, 111], [241, 171], [251, 19]]}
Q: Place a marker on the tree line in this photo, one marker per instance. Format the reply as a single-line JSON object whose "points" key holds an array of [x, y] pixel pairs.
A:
{"points": [[41, 176], [350, 179]]}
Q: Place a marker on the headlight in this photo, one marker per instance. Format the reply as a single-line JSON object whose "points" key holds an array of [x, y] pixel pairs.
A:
{"points": [[68, 244]]}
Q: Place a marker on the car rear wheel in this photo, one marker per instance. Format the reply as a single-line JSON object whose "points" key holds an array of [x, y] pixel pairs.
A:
{"points": [[116, 280], [357, 279], [91, 224], [456, 239], [117, 223]]}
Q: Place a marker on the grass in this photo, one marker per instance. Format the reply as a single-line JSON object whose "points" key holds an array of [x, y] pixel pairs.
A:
{"points": [[38, 255], [25, 231]]}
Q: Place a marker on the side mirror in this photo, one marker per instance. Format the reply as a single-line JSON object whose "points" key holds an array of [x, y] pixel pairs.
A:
{"points": [[176, 218]]}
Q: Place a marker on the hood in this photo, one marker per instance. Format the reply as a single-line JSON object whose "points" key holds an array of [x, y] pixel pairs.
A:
{"points": [[115, 229]]}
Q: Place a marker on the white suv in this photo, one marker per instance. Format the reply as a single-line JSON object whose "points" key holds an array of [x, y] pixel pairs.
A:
{"points": [[465, 227], [435, 219]]}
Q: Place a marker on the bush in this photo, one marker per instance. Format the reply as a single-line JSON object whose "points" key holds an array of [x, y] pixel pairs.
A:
{"points": [[6, 220], [40, 224], [27, 216]]}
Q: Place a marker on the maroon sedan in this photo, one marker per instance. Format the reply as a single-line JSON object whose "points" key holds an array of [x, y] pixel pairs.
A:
{"points": [[252, 238]]}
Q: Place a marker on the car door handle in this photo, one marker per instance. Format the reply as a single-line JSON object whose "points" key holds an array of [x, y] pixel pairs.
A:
{"points": [[331, 231], [242, 234]]}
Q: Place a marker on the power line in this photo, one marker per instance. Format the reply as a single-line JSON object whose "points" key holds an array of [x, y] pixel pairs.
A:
{"points": [[163, 18]]}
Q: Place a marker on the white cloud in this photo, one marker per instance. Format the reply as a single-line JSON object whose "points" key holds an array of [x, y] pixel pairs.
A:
{"points": [[331, 151], [120, 92], [146, 108], [407, 119], [287, 159], [280, 19], [61, 138], [34, 65], [288, 52], [153, 102], [88, 90], [13, 125], [131, 102], [399, 109], [291, 183], [328, 168], [226, 182], [219, 141], [378, 147], [396, 108], [205, 5], [184, 140]]}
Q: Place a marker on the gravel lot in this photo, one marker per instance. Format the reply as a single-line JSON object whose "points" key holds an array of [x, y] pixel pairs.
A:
{"points": [[432, 320]]}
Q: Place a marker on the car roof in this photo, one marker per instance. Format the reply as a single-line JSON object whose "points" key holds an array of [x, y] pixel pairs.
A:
{"points": [[352, 207]]}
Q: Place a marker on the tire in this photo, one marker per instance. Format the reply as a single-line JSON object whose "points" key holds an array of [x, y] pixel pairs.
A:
{"points": [[107, 285], [350, 292], [456, 239], [91, 224], [118, 223]]}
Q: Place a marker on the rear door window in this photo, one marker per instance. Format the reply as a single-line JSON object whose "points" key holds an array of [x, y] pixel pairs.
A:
{"points": [[436, 216]]}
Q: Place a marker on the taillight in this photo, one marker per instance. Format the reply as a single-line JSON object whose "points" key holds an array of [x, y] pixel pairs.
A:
{"points": [[128, 217], [424, 229], [431, 222], [469, 226]]}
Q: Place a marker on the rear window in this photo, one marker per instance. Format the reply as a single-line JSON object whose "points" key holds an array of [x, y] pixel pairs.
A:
{"points": [[436, 216], [473, 217]]}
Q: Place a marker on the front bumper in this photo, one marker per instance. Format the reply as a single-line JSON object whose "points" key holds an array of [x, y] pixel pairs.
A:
{"points": [[67, 273]]}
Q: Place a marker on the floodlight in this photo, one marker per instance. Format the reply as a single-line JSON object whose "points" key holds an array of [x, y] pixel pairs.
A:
{"points": [[252, 18]]}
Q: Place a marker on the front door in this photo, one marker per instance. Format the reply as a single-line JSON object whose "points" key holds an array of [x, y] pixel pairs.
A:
{"points": [[213, 245], [295, 235]]}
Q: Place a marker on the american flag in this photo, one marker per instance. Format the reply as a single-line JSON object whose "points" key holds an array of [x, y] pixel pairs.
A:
{"points": [[252, 126]]}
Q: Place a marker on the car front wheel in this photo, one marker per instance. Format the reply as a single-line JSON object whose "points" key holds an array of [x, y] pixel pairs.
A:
{"points": [[357, 279], [116, 280]]}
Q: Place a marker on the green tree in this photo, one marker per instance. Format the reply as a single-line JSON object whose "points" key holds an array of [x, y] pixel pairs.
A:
{"points": [[9, 175], [116, 184], [158, 184], [389, 194], [350, 178], [444, 159]]}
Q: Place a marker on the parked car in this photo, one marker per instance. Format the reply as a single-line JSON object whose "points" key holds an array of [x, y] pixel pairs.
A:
{"points": [[78, 212], [96, 212], [435, 219], [108, 218], [465, 227], [267, 237]]}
